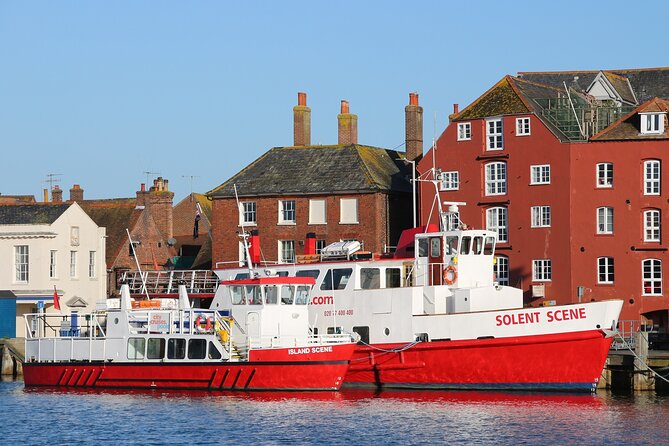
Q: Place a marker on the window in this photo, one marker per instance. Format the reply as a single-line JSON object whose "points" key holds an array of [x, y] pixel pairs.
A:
{"points": [[450, 180], [496, 220], [495, 178], [652, 277], [176, 348], [652, 123], [52, 264], [271, 294], [74, 236], [91, 264], [348, 211], [370, 278], [248, 212], [541, 216], [605, 220], [302, 295], [540, 174], [155, 348], [197, 348], [320, 244], [317, 214], [286, 251], [651, 177], [542, 270], [393, 278], [73, 263], [522, 126], [136, 348], [21, 260], [287, 212], [651, 226], [605, 270], [494, 134], [502, 270], [341, 278], [287, 294], [605, 175], [464, 131]]}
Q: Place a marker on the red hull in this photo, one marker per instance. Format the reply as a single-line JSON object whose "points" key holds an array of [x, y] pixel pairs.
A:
{"points": [[276, 369], [560, 362]]}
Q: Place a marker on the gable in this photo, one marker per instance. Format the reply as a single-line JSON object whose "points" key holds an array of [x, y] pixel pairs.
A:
{"points": [[501, 99]]}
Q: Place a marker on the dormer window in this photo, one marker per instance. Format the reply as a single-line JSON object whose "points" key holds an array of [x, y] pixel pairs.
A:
{"points": [[652, 123]]}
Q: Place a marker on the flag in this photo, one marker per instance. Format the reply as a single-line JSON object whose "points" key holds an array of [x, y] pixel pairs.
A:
{"points": [[56, 300], [196, 225], [155, 262]]}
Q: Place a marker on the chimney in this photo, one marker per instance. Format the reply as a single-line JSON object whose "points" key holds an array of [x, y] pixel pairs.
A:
{"points": [[76, 193], [348, 126], [45, 195], [301, 121], [254, 246], [158, 201], [456, 109], [56, 194], [414, 128], [310, 244]]}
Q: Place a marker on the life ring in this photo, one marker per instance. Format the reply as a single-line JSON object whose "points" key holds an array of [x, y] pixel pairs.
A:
{"points": [[203, 323], [450, 275]]}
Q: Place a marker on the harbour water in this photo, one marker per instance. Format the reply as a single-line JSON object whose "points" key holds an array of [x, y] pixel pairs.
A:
{"points": [[51, 416]]}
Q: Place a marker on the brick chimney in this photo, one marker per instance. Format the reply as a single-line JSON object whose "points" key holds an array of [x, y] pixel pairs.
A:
{"points": [[348, 126], [56, 194], [414, 128], [158, 201], [76, 193], [301, 121]]}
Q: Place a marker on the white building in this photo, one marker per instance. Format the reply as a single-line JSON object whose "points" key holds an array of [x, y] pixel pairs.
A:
{"points": [[51, 246]]}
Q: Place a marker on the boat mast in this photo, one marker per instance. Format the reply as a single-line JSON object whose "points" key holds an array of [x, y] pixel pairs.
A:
{"points": [[244, 235], [139, 269]]}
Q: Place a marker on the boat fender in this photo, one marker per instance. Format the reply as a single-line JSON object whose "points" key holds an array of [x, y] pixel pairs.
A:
{"points": [[450, 275]]}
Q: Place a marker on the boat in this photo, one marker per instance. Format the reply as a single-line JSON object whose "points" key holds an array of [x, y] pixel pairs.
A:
{"points": [[165, 343], [433, 316]]}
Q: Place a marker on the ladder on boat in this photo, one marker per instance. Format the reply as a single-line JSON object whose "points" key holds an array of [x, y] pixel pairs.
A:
{"points": [[198, 282]]}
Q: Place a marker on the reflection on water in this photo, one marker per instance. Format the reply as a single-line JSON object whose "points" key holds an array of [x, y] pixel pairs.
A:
{"points": [[346, 417]]}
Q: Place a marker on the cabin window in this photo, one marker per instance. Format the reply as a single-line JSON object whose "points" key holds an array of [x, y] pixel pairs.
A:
{"points": [[393, 278], [478, 245], [287, 294], [422, 247], [308, 273], [364, 334], [241, 276], [489, 247], [155, 348], [136, 348], [302, 296], [435, 247], [214, 353], [271, 294], [335, 330], [237, 295], [176, 348], [341, 278], [282, 274], [197, 348], [253, 295], [451, 247], [465, 246], [370, 278]]}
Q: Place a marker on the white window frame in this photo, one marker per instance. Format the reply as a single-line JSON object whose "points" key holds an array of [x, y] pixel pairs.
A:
{"points": [[92, 264], [541, 216], [287, 212], [21, 264], [494, 132], [652, 177], [651, 277], [502, 270], [605, 270], [53, 264], [248, 214], [450, 180], [497, 219], [286, 247], [605, 220], [495, 178], [652, 123], [523, 126], [348, 204], [320, 244], [542, 270], [464, 131], [318, 212], [540, 174], [652, 224], [73, 264], [604, 175]]}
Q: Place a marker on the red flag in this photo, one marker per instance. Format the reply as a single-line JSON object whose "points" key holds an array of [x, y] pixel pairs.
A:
{"points": [[155, 262], [56, 300]]}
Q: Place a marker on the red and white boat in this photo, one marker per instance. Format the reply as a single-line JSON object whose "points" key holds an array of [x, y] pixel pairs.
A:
{"points": [[164, 343], [433, 316]]}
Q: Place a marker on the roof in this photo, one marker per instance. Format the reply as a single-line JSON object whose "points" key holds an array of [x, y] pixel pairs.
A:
{"points": [[320, 170], [629, 127], [31, 214], [501, 99], [17, 199], [183, 217], [116, 216]]}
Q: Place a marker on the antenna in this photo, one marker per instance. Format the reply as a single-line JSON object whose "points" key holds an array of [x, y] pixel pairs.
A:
{"points": [[51, 179], [149, 173], [192, 177]]}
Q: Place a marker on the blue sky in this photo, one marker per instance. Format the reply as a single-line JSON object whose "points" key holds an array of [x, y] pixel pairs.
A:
{"points": [[103, 91]]}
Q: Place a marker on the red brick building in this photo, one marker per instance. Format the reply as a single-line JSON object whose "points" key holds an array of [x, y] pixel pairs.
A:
{"points": [[335, 192], [569, 168]]}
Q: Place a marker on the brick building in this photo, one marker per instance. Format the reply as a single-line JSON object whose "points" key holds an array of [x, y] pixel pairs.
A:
{"points": [[569, 168], [193, 240], [336, 192]]}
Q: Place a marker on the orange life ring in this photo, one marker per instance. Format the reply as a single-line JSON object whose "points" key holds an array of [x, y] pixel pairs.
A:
{"points": [[203, 324], [450, 275]]}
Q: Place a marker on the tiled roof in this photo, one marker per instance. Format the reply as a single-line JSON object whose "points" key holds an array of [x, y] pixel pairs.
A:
{"points": [[116, 216], [501, 99], [17, 199], [629, 126], [31, 214], [320, 170], [622, 86], [183, 217]]}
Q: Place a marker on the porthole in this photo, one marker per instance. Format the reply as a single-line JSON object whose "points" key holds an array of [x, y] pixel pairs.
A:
{"points": [[387, 331]]}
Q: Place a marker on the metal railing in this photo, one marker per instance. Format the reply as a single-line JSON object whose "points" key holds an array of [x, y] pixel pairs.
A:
{"points": [[167, 282], [627, 330]]}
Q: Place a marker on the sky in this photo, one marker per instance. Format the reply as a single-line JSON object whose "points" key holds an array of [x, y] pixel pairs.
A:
{"points": [[106, 94]]}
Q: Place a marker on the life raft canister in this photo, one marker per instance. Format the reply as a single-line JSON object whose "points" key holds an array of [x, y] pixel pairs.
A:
{"points": [[450, 275]]}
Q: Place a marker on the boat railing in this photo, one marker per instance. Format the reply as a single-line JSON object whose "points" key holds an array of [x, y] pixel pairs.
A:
{"points": [[167, 282], [626, 338]]}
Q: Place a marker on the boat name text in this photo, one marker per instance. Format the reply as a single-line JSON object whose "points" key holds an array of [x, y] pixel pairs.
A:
{"points": [[307, 350], [534, 317]]}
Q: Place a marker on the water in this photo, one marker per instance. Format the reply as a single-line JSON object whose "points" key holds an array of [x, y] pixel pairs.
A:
{"points": [[49, 416]]}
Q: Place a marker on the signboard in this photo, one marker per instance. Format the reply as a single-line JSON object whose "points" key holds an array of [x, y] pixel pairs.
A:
{"points": [[159, 322], [40, 304]]}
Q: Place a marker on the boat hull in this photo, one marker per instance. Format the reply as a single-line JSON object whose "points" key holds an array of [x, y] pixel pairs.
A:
{"points": [[551, 362], [270, 369]]}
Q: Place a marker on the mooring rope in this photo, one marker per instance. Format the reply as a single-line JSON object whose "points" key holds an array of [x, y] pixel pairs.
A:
{"points": [[643, 362]]}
